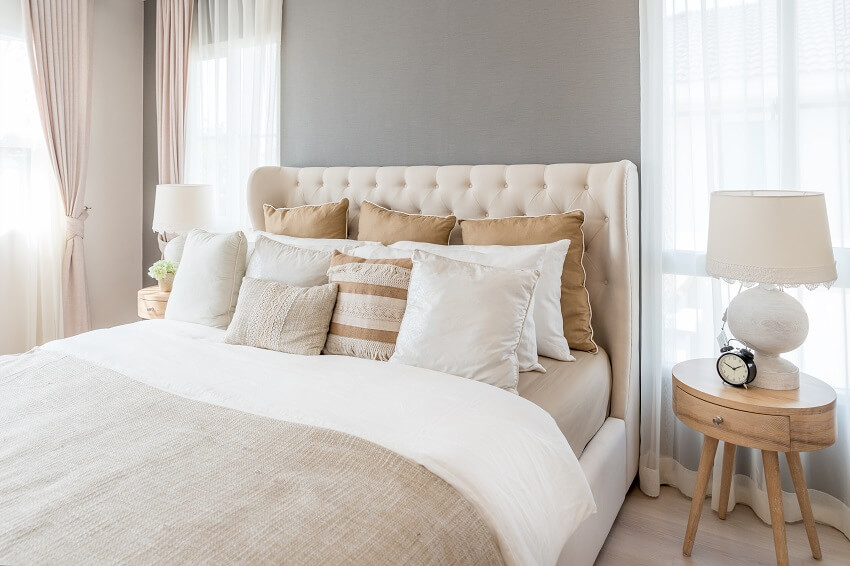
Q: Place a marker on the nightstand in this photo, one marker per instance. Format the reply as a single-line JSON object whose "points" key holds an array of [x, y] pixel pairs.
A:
{"points": [[152, 302], [794, 421]]}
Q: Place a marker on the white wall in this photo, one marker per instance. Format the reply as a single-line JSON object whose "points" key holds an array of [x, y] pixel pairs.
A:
{"points": [[114, 180]]}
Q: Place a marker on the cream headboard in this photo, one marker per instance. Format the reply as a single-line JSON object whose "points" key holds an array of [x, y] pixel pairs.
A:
{"points": [[607, 192]]}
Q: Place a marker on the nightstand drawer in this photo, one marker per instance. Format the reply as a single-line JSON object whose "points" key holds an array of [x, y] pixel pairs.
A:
{"points": [[152, 302], [151, 309], [756, 430]]}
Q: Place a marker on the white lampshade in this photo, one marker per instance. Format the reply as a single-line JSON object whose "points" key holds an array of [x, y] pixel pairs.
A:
{"points": [[777, 237], [180, 208]]}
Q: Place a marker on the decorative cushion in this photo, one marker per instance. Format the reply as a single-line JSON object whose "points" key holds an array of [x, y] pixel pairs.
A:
{"points": [[379, 224], [310, 221], [524, 230], [324, 244], [275, 261], [206, 286], [369, 307], [465, 319], [547, 322], [508, 257], [280, 317]]}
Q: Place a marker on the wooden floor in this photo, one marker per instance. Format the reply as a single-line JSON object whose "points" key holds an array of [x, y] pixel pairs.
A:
{"points": [[650, 531]]}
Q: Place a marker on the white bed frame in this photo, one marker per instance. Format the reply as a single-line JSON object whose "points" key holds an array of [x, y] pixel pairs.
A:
{"points": [[608, 194]]}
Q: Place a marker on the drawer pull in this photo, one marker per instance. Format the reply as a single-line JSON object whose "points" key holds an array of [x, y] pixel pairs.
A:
{"points": [[717, 420]]}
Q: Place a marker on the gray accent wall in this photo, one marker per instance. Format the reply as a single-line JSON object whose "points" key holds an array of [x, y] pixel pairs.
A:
{"points": [[407, 82], [404, 82]]}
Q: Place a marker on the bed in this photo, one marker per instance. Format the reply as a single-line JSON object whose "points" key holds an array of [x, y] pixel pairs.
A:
{"points": [[155, 441]]}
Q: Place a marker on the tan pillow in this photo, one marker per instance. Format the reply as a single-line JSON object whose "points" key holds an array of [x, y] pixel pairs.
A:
{"points": [[378, 224], [526, 230], [369, 306], [310, 221], [281, 317]]}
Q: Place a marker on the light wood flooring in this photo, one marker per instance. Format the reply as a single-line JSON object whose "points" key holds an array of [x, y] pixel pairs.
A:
{"points": [[650, 531]]}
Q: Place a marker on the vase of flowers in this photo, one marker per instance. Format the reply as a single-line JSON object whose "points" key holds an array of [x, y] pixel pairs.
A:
{"points": [[163, 271]]}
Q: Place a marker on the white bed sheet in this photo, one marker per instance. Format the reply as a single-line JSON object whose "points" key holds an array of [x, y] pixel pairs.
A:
{"points": [[503, 453]]}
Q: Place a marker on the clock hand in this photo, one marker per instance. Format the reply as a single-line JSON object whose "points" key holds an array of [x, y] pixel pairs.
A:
{"points": [[725, 363]]}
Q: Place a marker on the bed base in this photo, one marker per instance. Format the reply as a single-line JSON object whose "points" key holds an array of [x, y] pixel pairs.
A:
{"points": [[605, 453]]}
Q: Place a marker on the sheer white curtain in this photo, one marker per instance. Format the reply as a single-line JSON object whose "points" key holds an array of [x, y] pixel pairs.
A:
{"points": [[32, 231], [233, 106], [740, 94]]}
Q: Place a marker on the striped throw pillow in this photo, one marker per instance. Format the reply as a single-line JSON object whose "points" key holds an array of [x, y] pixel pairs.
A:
{"points": [[369, 307]]}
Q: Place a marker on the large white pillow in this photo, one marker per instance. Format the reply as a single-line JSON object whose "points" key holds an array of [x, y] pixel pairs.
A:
{"points": [[275, 261], [465, 319], [512, 259], [548, 320], [324, 244], [207, 282]]}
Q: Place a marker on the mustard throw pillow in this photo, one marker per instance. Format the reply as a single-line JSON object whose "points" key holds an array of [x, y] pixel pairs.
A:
{"points": [[526, 230]]}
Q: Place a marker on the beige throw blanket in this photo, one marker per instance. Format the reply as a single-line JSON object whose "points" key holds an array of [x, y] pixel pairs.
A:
{"points": [[95, 467]]}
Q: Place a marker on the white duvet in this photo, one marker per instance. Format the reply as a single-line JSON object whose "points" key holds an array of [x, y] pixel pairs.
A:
{"points": [[503, 453]]}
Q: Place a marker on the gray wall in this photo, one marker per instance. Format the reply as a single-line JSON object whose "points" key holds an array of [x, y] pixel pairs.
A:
{"points": [[378, 82], [382, 82], [150, 169]]}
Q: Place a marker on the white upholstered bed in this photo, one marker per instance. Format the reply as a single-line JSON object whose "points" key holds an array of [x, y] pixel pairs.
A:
{"points": [[608, 194], [158, 442]]}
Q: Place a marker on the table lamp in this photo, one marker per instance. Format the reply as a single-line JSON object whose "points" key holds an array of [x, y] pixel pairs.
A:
{"points": [[180, 208], [774, 239]]}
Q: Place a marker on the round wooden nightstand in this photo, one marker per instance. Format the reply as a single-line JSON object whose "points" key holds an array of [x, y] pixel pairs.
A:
{"points": [[152, 302], [799, 420]]}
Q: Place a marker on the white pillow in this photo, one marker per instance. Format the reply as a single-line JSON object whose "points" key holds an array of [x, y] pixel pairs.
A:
{"points": [[548, 320], [275, 261], [323, 244], [207, 282], [465, 319], [516, 259]]}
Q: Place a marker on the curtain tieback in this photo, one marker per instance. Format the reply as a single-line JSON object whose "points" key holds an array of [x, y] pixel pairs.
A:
{"points": [[75, 227]]}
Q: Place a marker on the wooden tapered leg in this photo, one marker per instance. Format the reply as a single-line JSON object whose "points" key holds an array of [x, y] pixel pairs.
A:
{"points": [[706, 462], [726, 478], [802, 490], [774, 498]]}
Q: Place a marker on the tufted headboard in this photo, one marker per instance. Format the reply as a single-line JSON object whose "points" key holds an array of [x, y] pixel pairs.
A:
{"points": [[607, 192]]}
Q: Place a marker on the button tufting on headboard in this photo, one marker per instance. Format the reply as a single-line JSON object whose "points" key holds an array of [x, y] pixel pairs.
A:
{"points": [[606, 192]]}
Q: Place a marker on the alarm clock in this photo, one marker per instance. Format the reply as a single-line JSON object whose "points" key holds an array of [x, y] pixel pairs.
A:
{"points": [[736, 366]]}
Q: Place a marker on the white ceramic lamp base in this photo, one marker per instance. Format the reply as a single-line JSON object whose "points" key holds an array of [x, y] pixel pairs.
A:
{"points": [[771, 322]]}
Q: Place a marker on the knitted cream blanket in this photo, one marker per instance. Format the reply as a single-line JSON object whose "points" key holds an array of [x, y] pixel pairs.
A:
{"points": [[98, 468]]}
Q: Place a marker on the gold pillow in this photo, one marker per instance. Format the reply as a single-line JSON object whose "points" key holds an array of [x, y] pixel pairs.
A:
{"points": [[326, 221], [378, 224], [528, 230]]}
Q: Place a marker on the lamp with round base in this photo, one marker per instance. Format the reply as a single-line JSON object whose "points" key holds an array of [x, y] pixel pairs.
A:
{"points": [[775, 239]]}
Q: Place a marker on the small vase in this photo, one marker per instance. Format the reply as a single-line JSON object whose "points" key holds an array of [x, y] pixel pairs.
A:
{"points": [[166, 283]]}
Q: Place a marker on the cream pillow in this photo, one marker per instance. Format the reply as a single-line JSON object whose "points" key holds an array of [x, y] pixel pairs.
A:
{"points": [[275, 261], [207, 282], [547, 316], [530, 257], [282, 317], [324, 244], [465, 319]]}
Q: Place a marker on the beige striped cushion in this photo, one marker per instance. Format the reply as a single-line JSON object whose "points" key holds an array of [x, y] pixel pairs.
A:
{"points": [[370, 303]]}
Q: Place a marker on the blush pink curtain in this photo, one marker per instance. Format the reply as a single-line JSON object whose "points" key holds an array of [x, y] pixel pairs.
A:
{"points": [[173, 32], [59, 38]]}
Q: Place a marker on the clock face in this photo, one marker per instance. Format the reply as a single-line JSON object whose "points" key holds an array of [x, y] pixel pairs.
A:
{"points": [[733, 369]]}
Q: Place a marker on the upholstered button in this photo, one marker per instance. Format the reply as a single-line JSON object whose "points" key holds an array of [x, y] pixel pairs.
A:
{"points": [[506, 185], [470, 185], [545, 186], [587, 187], [606, 219], [605, 282], [486, 215]]}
